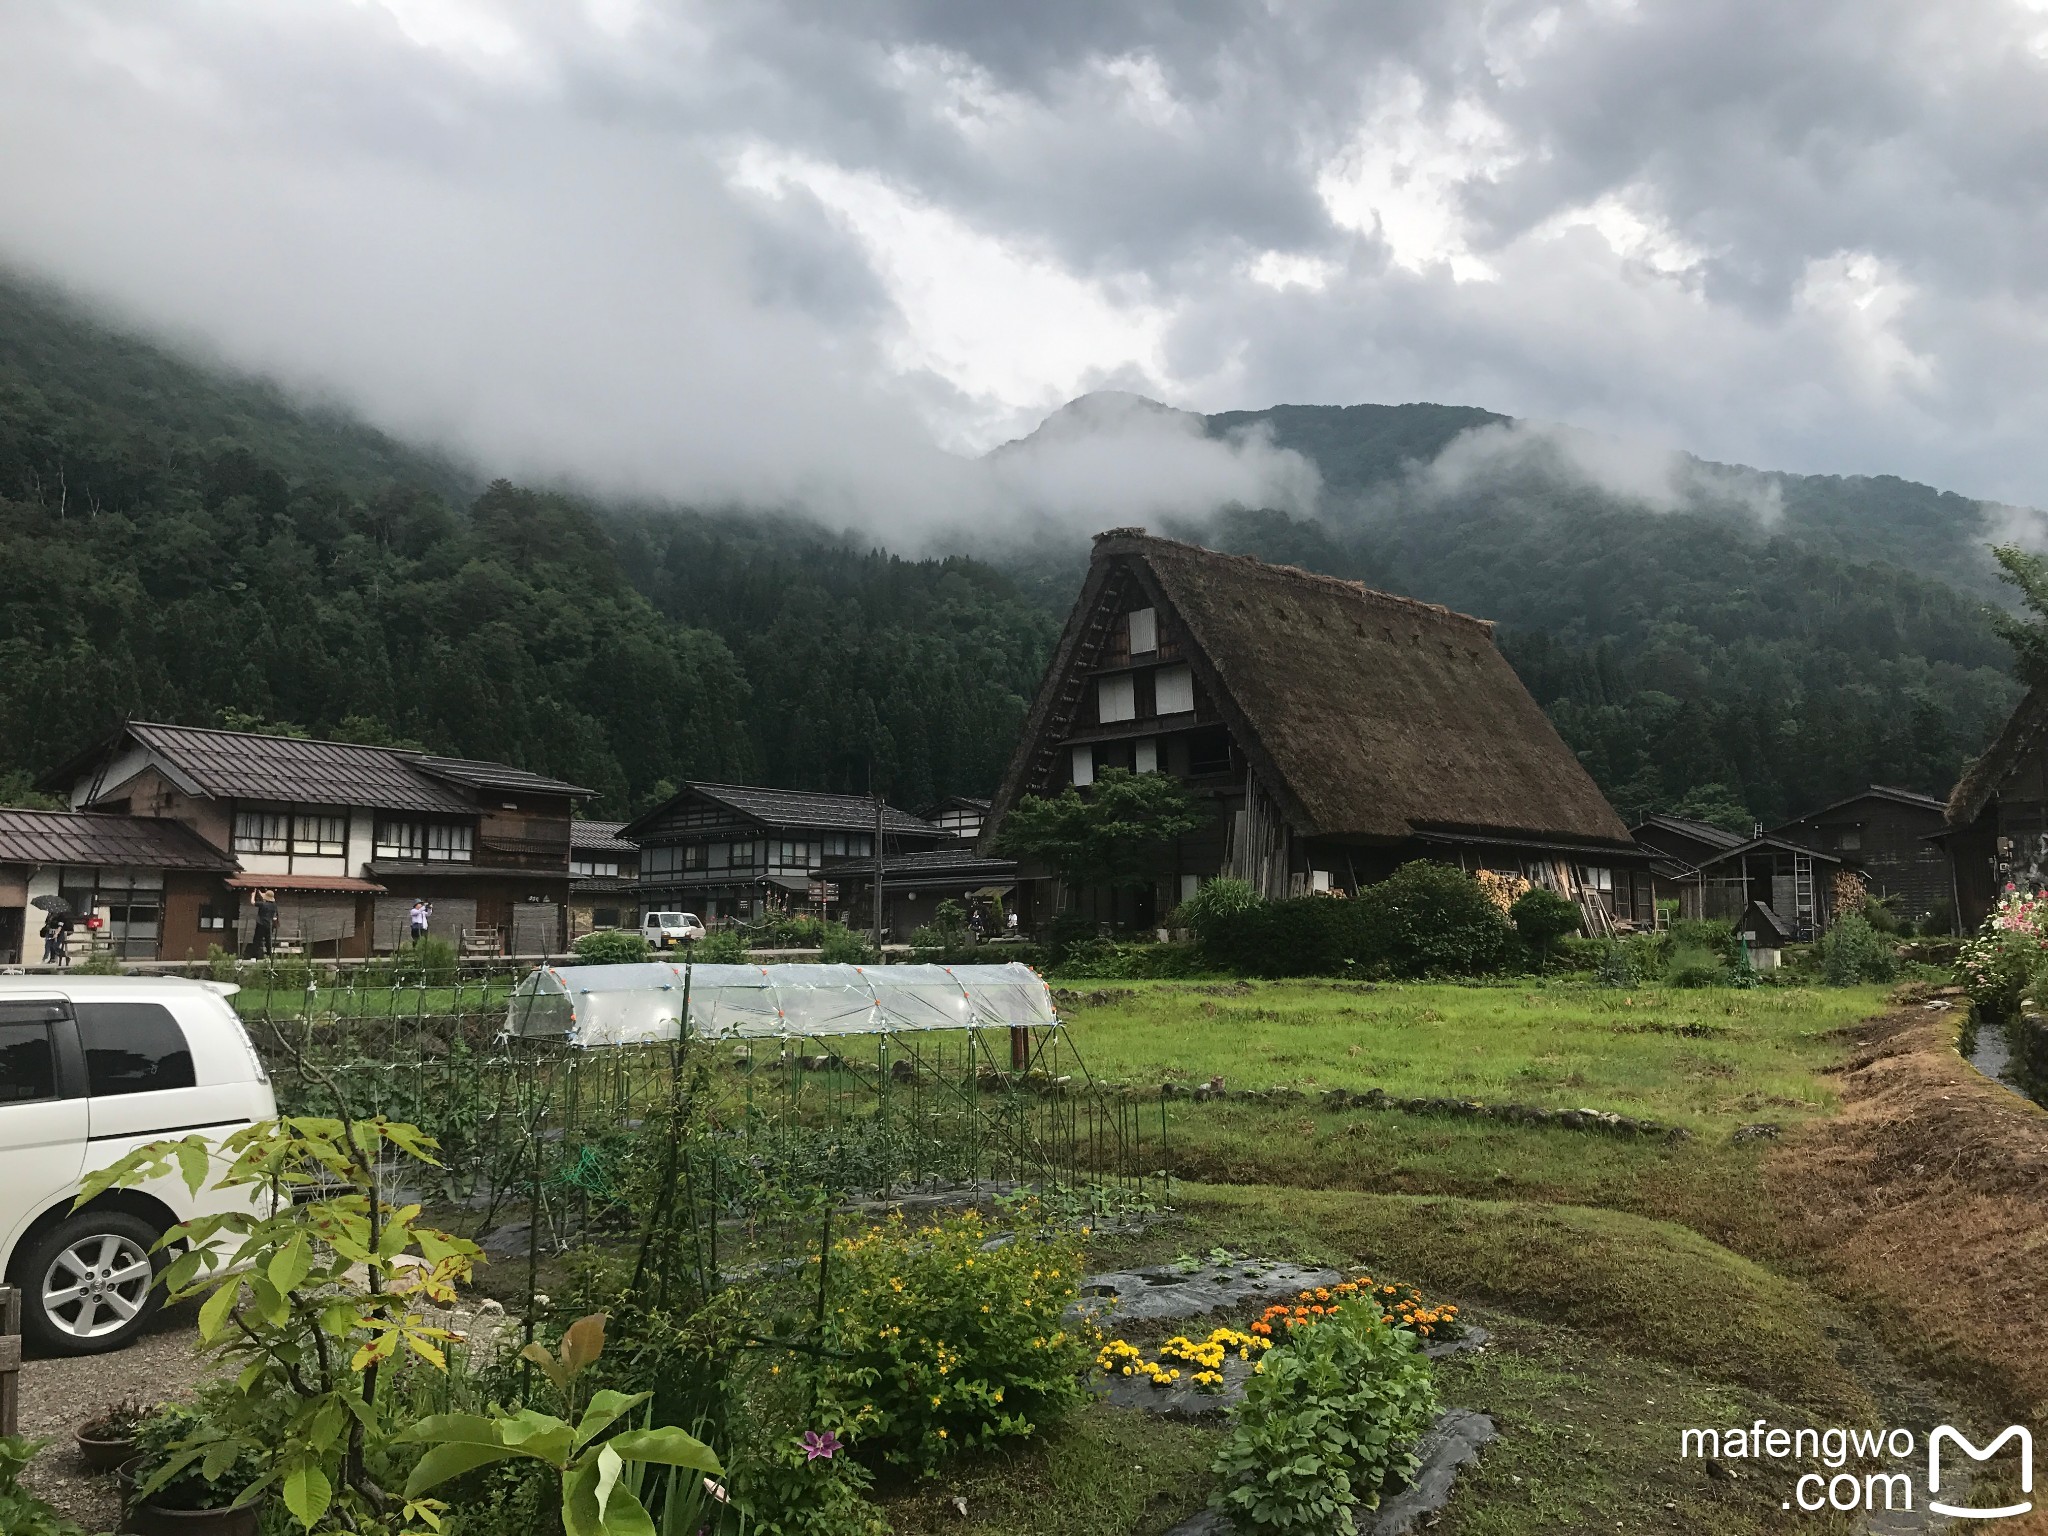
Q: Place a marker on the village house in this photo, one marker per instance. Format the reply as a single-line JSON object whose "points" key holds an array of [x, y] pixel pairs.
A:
{"points": [[347, 836], [961, 815], [604, 878], [1893, 838], [1795, 880], [148, 882], [738, 851], [913, 885], [1997, 818], [1678, 846], [1336, 732]]}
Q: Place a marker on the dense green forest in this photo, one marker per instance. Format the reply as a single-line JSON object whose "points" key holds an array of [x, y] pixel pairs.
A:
{"points": [[176, 542], [179, 545]]}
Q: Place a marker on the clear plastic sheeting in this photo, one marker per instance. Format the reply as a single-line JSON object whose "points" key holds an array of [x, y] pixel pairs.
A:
{"points": [[632, 1004]]}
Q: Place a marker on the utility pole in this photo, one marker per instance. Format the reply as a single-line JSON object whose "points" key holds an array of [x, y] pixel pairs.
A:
{"points": [[877, 904]]}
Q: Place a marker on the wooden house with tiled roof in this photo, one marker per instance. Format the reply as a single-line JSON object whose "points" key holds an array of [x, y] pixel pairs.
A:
{"points": [[1337, 731], [346, 835]]}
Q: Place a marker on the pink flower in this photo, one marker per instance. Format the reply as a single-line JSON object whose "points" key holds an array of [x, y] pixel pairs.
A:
{"points": [[817, 1446]]}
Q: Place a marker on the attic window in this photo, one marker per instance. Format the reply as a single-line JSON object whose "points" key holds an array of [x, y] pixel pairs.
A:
{"points": [[1084, 765], [1116, 698], [1851, 840], [1144, 627], [1173, 691]]}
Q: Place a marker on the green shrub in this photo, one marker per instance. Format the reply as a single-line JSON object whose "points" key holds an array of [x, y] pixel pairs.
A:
{"points": [[778, 931], [1069, 926], [1692, 967], [1214, 907], [222, 966], [1714, 935], [1544, 919], [1578, 952], [175, 1428], [841, 945], [1429, 919], [21, 1512], [612, 947], [723, 946], [941, 1346], [1109, 960], [1301, 936], [1424, 920], [806, 1485], [1328, 1418], [101, 962], [945, 936], [427, 962], [1854, 951]]}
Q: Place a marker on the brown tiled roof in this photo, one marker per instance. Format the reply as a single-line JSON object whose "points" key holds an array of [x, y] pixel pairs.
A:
{"points": [[1372, 715], [82, 837], [245, 766], [794, 808], [600, 837], [483, 775]]}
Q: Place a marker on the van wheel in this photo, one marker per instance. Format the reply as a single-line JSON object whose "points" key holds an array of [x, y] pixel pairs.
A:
{"points": [[89, 1283]]}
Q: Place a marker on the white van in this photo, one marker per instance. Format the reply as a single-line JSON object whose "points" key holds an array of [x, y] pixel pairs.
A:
{"points": [[90, 1068], [663, 929]]}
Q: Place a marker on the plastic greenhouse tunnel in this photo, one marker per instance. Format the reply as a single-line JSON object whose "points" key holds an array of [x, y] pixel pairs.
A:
{"points": [[599, 1005]]}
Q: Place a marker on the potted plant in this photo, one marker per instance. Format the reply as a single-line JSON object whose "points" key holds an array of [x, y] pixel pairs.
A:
{"points": [[167, 1491], [108, 1438]]}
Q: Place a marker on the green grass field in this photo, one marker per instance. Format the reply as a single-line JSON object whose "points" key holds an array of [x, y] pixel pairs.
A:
{"points": [[1635, 1287], [1705, 1059]]}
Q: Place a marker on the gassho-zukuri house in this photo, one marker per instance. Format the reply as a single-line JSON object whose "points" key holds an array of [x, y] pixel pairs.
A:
{"points": [[1339, 732]]}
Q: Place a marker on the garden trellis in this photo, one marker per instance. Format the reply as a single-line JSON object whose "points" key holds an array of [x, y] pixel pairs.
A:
{"points": [[849, 1084]]}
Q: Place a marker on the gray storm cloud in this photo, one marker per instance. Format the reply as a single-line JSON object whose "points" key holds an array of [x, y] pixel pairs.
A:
{"points": [[764, 253]]}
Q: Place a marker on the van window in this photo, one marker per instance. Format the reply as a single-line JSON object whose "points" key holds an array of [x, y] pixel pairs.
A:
{"points": [[28, 1068], [132, 1048]]}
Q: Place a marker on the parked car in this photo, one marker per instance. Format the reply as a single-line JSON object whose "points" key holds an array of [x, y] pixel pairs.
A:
{"points": [[662, 929], [90, 1068]]}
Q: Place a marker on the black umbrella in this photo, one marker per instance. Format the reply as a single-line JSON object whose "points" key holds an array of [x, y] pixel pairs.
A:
{"points": [[53, 904]]}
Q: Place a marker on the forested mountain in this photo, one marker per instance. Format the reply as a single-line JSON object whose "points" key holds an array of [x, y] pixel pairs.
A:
{"points": [[1711, 637], [179, 545], [176, 542]]}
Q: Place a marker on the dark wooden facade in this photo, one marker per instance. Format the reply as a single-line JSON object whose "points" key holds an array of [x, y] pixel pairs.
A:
{"points": [[736, 852], [1997, 822], [1894, 838]]}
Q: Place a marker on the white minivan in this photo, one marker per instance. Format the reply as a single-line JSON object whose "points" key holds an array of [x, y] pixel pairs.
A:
{"points": [[91, 1067], [664, 929]]}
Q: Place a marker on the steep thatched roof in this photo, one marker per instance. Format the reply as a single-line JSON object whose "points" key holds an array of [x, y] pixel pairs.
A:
{"points": [[1368, 715], [1980, 781]]}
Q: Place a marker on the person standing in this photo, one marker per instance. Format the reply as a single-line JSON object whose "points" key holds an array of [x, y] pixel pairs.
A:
{"points": [[422, 914], [64, 938], [52, 932], [266, 922]]}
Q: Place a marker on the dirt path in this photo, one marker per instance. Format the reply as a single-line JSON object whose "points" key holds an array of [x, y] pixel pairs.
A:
{"points": [[58, 1395]]}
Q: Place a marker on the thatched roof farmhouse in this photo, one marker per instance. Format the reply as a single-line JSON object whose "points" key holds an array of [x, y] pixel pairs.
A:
{"points": [[1339, 731]]}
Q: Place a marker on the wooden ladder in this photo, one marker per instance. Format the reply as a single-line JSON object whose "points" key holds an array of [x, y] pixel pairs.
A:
{"points": [[1075, 685]]}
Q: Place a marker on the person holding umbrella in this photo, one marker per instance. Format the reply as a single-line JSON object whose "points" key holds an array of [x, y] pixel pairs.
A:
{"points": [[56, 927]]}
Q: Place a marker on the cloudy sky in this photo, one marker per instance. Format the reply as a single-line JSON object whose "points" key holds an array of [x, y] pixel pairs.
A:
{"points": [[778, 251]]}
